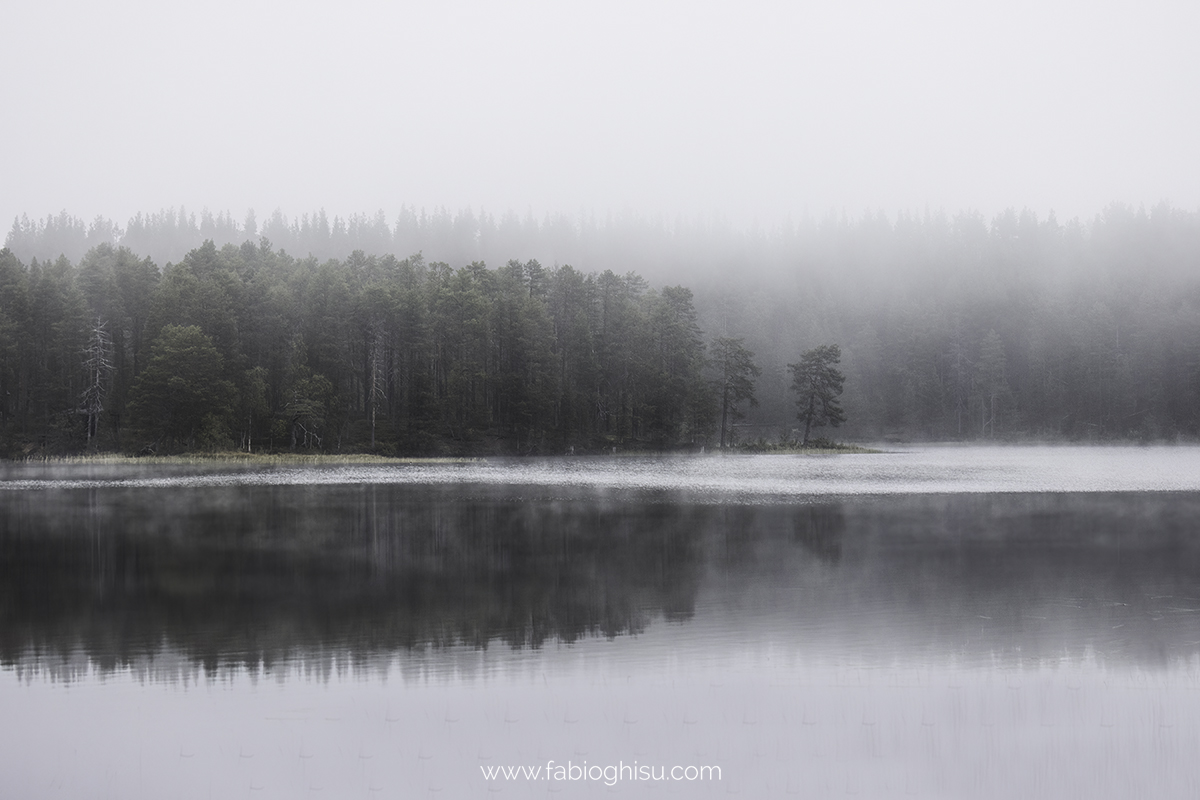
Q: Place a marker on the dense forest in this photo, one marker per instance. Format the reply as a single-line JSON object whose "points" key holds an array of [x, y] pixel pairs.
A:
{"points": [[246, 347], [950, 328]]}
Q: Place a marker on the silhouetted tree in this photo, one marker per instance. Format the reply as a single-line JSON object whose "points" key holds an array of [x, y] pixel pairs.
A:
{"points": [[736, 372], [818, 384]]}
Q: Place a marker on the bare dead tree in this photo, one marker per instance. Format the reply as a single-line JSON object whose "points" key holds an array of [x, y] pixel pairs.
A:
{"points": [[378, 379], [98, 359]]}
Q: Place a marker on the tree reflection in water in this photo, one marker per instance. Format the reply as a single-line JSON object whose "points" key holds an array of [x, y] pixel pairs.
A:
{"points": [[228, 575]]}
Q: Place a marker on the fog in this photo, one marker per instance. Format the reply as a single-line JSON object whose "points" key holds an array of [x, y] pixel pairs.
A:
{"points": [[469, 352], [993, 211], [955, 328], [670, 111]]}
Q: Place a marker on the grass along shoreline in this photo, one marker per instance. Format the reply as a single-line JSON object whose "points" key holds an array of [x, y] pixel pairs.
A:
{"points": [[815, 447], [319, 459]]}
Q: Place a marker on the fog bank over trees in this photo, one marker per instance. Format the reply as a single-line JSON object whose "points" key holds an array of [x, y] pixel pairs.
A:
{"points": [[511, 334], [661, 249]]}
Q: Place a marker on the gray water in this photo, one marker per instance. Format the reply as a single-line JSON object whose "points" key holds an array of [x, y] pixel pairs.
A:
{"points": [[947, 622]]}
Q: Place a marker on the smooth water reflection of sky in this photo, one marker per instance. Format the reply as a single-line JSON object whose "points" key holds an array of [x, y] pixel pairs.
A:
{"points": [[939, 622]]}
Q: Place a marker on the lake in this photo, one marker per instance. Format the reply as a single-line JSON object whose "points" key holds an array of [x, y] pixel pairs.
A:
{"points": [[933, 622]]}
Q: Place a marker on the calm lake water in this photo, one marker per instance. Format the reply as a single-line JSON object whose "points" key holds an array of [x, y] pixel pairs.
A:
{"points": [[943, 622]]}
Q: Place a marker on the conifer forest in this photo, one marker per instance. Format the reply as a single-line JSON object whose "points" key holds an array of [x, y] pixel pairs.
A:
{"points": [[175, 335]]}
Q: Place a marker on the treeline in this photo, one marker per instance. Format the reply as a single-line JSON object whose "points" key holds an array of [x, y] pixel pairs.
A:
{"points": [[651, 247], [957, 329], [950, 328], [247, 347]]}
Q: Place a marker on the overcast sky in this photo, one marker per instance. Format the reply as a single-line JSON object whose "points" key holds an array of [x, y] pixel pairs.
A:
{"points": [[749, 111]]}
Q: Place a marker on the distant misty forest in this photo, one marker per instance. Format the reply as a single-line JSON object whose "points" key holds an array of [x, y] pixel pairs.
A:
{"points": [[464, 333]]}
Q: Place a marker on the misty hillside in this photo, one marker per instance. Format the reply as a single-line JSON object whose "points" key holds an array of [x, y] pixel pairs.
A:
{"points": [[950, 328]]}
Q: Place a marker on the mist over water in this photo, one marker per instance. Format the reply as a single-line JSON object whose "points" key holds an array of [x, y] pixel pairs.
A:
{"points": [[726, 479], [991, 210], [358, 209], [370, 628]]}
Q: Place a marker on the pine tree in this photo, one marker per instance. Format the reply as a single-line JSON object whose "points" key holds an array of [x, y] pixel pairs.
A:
{"points": [[818, 383], [736, 371]]}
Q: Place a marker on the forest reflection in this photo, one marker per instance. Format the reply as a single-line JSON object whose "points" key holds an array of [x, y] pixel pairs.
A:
{"points": [[258, 575], [266, 570]]}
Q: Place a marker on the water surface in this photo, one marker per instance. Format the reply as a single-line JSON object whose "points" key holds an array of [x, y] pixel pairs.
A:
{"points": [[957, 622]]}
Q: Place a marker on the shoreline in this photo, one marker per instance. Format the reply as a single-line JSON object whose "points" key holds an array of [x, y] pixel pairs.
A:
{"points": [[316, 459]]}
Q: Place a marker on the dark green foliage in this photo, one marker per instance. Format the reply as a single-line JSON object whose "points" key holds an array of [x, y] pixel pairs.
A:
{"points": [[681, 406], [818, 384], [736, 372], [53, 345], [119, 289], [250, 348], [947, 329], [14, 324], [181, 399]]}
